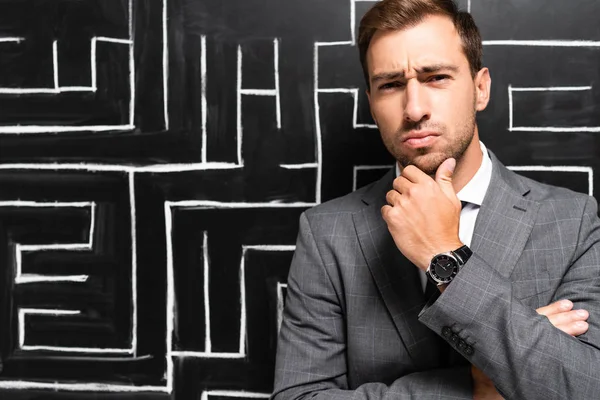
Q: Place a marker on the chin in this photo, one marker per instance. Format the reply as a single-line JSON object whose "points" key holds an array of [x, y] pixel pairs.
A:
{"points": [[428, 163], [430, 168]]}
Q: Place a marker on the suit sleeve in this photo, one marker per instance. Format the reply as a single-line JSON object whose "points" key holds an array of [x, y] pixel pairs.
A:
{"points": [[311, 353], [521, 351]]}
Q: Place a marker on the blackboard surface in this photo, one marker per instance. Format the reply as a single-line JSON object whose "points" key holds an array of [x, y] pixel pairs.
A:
{"points": [[155, 156]]}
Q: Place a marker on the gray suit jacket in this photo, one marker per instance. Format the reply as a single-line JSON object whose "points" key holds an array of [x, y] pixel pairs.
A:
{"points": [[357, 326]]}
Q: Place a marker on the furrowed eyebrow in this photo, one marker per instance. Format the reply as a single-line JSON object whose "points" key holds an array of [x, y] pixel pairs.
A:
{"points": [[429, 69], [387, 76]]}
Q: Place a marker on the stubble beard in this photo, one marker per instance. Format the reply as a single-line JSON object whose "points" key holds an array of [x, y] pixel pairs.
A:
{"points": [[427, 159]]}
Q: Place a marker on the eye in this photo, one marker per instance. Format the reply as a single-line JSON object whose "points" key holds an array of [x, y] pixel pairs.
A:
{"points": [[390, 86], [438, 78]]}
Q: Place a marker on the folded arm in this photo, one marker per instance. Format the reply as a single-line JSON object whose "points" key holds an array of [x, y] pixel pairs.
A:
{"points": [[521, 351]]}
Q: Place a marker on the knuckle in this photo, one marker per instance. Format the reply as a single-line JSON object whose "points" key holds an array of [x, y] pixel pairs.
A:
{"points": [[388, 212], [389, 196], [385, 211]]}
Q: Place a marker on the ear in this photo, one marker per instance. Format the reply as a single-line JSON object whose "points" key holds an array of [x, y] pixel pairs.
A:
{"points": [[483, 84], [370, 106]]}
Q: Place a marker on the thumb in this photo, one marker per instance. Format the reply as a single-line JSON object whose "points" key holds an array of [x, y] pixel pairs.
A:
{"points": [[443, 177]]}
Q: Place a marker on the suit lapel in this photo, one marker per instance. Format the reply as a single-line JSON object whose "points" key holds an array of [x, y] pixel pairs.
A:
{"points": [[505, 220], [503, 226], [396, 278]]}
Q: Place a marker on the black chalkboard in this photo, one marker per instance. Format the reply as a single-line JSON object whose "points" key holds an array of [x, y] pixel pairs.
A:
{"points": [[155, 156]]}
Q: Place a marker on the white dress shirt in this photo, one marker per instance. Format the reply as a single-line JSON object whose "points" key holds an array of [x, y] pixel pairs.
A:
{"points": [[472, 193]]}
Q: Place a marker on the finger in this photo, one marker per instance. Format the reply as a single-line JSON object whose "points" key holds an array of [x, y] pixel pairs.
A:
{"points": [[443, 176], [574, 328], [568, 317], [385, 211], [393, 198], [414, 174], [402, 185], [556, 307]]}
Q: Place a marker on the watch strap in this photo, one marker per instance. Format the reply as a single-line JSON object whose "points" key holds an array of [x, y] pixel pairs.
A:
{"points": [[463, 254]]}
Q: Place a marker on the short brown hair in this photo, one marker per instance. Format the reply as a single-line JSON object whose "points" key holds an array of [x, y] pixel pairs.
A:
{"points": [[388, 15]]}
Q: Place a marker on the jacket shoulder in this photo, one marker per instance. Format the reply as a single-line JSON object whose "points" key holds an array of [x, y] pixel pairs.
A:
{"points": [[347, 204], [544, 192]]}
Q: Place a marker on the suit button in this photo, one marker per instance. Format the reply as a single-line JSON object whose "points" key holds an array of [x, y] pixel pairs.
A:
{"points": [[462, 345], [469, 351], [454, 338], [446, 332]]}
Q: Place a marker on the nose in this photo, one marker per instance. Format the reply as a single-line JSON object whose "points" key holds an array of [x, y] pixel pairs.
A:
{"points": [[416, 108]]}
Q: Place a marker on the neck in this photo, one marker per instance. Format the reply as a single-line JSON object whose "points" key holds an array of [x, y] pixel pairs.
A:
{"points": [[468, 165]]}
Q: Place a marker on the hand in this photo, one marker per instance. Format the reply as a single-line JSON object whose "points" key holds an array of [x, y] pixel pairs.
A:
{"points": [[562, 316], [423, 214], [483, 387]]}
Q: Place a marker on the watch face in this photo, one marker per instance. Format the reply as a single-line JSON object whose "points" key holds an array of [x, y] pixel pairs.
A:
{"points": [[444, 268]]}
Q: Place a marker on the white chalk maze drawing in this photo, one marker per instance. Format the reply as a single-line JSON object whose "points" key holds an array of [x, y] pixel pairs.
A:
{"points": [[75, 290], [219, 288], [105, 99]]}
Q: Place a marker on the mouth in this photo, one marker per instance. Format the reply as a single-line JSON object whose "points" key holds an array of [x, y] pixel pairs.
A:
{"points": [[420, 139]]}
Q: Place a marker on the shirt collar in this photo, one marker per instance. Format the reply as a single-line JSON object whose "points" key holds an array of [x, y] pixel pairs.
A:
{"points": [[474, 191]]}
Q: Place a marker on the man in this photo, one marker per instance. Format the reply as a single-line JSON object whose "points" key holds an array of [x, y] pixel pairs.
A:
{"points": [[357, 323]]}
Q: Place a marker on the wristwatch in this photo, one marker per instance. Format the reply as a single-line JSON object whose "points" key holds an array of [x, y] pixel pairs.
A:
{"points": [[444, 266]]}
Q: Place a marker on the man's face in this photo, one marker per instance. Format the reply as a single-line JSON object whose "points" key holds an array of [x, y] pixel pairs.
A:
{"points": [[422, 94]]}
